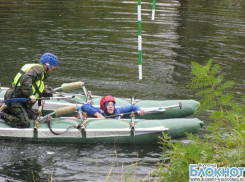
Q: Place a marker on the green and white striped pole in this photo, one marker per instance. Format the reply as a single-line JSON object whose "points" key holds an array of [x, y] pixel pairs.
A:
{"points": [[139, 40], [153, 9]]}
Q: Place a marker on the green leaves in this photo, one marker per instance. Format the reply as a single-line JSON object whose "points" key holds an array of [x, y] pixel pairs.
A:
{"points": [[225, 142], [205, 76], [211, 86]]}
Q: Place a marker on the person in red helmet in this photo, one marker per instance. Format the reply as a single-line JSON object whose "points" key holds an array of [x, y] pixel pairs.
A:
{"points": [[107, 108]]}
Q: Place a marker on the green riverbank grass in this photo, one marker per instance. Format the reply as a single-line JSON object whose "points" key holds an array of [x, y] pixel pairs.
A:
{"points": [[225, 143]]}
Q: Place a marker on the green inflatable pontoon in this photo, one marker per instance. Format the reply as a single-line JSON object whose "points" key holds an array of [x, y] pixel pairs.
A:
{"points": [[171, 107], [102, 130]]}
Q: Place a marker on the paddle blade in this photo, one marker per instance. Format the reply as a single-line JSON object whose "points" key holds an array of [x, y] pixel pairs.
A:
{"points": [[65, 110], [15, 100], [71, 86]]}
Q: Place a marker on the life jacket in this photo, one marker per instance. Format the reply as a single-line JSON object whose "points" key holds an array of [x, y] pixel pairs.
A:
{"points": [[37, 87]]}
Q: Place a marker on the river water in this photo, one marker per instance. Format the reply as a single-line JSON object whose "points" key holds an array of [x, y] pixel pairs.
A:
{"points": [[96, 42]]}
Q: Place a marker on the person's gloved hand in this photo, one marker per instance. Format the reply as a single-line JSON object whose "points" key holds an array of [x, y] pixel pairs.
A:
{"points": [[47, 93], [142, 112], [33, 99], [51, 89]]}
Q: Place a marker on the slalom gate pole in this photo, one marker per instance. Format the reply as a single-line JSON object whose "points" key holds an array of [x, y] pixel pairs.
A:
{"points": [[153, 10], [139, 40]]}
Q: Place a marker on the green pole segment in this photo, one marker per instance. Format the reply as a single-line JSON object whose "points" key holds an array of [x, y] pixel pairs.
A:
{"points": [[153, 9], [139, 40]]}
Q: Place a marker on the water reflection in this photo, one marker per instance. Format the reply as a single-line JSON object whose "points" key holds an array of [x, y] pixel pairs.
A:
{"points": [[26, 161], [27, 170]]}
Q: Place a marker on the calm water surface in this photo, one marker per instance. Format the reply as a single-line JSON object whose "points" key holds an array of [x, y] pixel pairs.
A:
{"points": [[96, 42]]}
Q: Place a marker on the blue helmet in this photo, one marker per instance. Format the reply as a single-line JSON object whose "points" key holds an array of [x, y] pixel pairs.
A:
{"points": [[49, 58]]}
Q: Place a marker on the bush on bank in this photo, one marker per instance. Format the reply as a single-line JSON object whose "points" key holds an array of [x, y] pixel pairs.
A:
{"points": [[225, 142]]}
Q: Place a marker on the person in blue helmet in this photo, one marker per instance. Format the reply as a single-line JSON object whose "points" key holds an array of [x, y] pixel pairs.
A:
{"points": [[28, 83], [108, 108]]}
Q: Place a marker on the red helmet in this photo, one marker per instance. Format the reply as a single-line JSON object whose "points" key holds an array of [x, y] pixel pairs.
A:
{"points": [[103, 100]]}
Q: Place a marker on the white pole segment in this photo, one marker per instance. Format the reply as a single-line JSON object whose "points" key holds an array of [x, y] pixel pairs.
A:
{"points": [[153, 9], [153, 15]]}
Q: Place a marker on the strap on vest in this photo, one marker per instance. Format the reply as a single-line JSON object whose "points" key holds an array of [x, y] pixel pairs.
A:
{"points": [[36, 88], [22, 73]]}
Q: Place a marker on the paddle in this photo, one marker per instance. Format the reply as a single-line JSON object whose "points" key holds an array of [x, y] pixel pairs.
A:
{"points": [[61, 111], [27, 99], [72, 86], [162, 109], [147, 111]]}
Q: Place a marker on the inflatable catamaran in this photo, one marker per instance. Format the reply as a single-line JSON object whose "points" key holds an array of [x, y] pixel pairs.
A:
{"points": [[160, 116]]}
